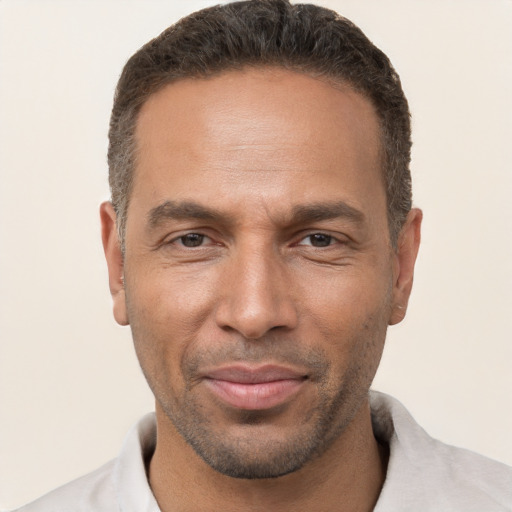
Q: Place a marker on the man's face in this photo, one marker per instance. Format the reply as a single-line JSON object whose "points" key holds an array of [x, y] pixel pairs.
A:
{"points": [[258, 276]]}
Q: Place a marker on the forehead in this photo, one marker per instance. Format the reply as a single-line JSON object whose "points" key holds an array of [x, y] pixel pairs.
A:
{"points": [[262, 133]]}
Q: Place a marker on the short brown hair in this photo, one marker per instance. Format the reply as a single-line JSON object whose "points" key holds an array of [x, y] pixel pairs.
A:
{"points": [[301, 37]]}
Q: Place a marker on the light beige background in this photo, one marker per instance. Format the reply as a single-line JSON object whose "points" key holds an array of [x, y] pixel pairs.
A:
{"points": [[70, 386]]}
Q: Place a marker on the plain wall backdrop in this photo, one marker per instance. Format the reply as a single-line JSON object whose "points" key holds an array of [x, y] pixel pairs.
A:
{"points": [[70, 386]]}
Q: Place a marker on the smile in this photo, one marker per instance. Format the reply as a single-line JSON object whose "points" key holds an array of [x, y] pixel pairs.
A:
{"points": [[254, 389]]}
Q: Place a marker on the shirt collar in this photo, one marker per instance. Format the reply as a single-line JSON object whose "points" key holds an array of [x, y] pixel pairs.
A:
{"points": [[132, 489], [392, 424]]}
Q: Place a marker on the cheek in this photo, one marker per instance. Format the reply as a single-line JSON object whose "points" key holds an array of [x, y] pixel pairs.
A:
{"points": [[346, 296], [166, 312], [349, 312], [172, 299]]}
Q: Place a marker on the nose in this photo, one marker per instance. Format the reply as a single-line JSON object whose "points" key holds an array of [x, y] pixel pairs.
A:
{"points": [[257, 294]]}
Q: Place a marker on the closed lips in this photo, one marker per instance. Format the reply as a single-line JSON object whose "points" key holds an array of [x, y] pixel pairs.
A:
{"points": [[252, 389]]}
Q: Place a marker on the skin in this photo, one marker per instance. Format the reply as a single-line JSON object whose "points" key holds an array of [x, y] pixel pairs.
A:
{"points": [[257, 235]]}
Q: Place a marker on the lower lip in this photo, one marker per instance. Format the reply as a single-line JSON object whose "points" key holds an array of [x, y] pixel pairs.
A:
{"points": [[259, 396]]}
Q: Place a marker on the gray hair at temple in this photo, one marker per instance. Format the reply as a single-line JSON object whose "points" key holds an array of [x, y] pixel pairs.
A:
{"points": [[302, 37]]}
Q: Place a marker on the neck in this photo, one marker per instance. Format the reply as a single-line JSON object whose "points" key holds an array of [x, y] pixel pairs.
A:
{"points": [[347, 477]]}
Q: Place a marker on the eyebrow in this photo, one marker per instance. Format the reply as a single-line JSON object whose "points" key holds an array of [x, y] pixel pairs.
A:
{"points": [[183, 210], [301, 214], [316, 212]]}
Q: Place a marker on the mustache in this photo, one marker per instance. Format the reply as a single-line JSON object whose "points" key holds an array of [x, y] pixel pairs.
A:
{"points": [[270, 350]]}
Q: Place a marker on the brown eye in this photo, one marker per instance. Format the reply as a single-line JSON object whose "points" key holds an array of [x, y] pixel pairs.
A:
{"points": [[192, 239], [317, 240]]}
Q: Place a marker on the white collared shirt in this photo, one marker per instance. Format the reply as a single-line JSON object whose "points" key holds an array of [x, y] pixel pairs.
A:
{"points": [[423, 475]]}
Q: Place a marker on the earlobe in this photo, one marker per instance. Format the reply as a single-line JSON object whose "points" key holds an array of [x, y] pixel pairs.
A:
{"points": [[405, 258], [115, 262]]}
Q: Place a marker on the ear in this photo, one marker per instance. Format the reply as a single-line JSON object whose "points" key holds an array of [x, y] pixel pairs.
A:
{"points": [[405, 258], [115, 262]]}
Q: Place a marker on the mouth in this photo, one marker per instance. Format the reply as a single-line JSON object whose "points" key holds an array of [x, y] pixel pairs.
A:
{"points": [[248, 388]]}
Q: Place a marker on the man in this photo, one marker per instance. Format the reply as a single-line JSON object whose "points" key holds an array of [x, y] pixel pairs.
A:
{"points": [[259, 241]]}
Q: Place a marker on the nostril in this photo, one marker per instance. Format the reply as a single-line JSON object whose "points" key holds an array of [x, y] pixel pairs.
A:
{"points": [[257, 297]]}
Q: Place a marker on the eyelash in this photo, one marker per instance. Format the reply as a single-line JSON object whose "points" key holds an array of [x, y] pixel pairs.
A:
{"points": [[321, 237], [191, 234]]}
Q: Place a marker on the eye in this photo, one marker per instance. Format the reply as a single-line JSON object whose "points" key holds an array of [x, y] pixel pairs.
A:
{"points": [[192, 239], [317, 240]]}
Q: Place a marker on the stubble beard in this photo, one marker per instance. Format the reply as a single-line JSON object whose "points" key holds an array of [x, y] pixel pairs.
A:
{"points": [[254, 455]]}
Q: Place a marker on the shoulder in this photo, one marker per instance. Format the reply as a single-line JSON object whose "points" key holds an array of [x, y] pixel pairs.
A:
{"points": [[94, 491], [425, 474], [121, 484]]}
